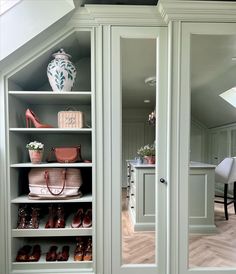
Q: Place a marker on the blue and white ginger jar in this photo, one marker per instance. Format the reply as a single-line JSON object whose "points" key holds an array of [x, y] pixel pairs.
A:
{"points": [[61, 72]]}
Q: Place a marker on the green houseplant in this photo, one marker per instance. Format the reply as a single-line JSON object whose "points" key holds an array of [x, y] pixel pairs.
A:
{"points": [[148, 153]]}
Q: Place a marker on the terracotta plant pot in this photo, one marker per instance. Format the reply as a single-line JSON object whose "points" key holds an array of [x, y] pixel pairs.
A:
{"points": [[36, 156], [150, 160]]}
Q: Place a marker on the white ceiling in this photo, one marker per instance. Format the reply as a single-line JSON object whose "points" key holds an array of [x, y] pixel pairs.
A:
{"points": [[138, 63], [212, 72]]}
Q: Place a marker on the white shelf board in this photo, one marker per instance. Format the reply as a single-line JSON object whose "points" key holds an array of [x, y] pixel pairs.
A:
{"points": [[70, 266], [25, 200], [47, 97], [52, 130], [53, 232], [51, 165]]}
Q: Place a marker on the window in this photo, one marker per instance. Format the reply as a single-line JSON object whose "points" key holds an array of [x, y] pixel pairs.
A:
{"points": [[230, 96]]}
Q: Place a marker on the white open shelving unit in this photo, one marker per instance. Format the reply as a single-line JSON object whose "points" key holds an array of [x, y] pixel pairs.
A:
{"points": [[28, 87]]}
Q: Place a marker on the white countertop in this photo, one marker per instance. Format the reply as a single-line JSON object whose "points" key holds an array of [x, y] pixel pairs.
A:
{"points": [[192, 165], [142, 165], [201, 165]]}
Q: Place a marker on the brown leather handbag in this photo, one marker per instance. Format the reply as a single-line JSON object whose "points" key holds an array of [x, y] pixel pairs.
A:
{"points": [[65, 154], [54, 183]]}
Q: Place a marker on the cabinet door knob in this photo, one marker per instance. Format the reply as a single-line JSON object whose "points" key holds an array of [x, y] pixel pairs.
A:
{"points": [[163, 181]]}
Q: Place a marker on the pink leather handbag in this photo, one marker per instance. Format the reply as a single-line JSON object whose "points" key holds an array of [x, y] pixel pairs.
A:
{"points": [[54, 183]]}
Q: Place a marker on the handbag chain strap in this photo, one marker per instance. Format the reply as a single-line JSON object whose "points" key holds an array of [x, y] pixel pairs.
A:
{"points": [[46, 177]]}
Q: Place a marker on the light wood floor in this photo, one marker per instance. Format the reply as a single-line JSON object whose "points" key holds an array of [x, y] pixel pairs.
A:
{"points": [[218, 250], [137, 247]]}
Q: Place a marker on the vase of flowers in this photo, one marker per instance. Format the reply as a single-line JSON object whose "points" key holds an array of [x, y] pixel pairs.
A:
{"points": [[148, 153], [35, 152]]}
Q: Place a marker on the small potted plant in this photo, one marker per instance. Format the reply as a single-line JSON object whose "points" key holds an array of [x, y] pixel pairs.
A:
{"points": [[148, 153], [35, 152]]}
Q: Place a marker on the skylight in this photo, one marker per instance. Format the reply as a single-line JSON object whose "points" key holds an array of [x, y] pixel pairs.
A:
{"points": [[7, 4], [230, 96]]}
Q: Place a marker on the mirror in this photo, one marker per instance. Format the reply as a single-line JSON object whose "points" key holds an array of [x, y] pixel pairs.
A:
{"points": [[138, 63], [212, 139]]}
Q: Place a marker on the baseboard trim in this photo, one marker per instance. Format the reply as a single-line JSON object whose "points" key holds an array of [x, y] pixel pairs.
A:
{"points": [[203, 229]]}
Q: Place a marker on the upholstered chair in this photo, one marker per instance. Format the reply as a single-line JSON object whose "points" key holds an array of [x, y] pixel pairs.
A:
{"points": [[225, 173]]}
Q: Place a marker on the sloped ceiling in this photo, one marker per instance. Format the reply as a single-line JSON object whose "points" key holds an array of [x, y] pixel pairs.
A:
{"points": [[212, 72], [16, 31]]}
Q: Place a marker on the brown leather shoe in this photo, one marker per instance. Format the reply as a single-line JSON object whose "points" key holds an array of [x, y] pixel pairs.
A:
{"points": [[78, 218], [51, 217], [88, 253], [64, 254], [34, 218], [36, 253], [22, 217], [60, 217], [52, 254], [23, 254], [87, 220]]}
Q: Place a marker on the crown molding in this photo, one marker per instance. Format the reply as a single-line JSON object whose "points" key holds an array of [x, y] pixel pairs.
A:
{"points": [[125, 15], [206, 11], [82, 17]]}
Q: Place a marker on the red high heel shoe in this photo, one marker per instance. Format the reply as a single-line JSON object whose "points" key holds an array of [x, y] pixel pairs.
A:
{"points": [[31, 117]]}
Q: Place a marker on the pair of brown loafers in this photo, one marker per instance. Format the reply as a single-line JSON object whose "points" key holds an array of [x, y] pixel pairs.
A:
{"points": [[83, 250], [56, 217], [24, 254], [82, 219], [52, 254]]}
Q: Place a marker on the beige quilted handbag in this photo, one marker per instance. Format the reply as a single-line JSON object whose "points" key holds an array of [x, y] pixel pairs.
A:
{"points": [[70, 118]]}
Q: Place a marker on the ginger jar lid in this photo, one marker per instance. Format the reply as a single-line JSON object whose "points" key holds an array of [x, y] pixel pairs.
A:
{"points": [[61, 54]]}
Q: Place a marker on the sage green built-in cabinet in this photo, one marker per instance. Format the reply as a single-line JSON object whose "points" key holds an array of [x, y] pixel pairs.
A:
{"points": [[92, 36], [27, 87]]}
